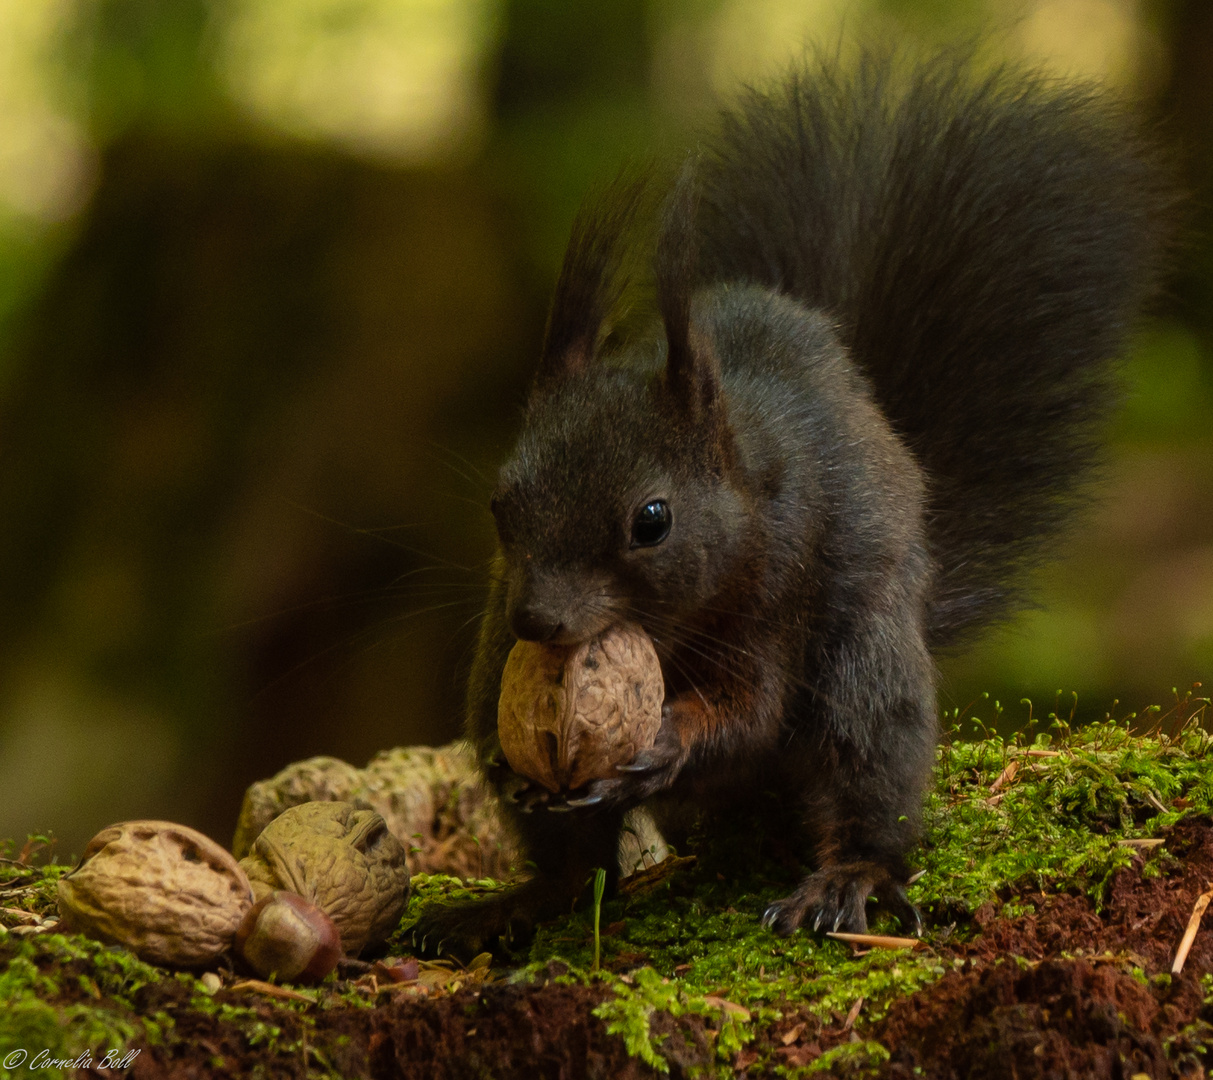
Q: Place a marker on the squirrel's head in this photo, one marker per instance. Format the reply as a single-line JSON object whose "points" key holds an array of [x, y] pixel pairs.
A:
{"points": [[618, 501]]}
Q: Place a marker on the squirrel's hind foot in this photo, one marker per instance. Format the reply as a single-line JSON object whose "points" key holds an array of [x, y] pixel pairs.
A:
{"points": [[833, 899], [501, 923]]}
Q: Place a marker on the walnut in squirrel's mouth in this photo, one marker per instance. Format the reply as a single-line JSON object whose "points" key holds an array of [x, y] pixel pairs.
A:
{"points": [[569, 714]]}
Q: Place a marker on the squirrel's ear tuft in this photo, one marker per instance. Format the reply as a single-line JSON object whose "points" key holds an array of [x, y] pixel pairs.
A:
{"points": [[691, 373], [591, 281]]}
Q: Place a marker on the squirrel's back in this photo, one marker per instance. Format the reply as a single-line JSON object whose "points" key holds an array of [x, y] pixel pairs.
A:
{"points": [[984, 243]]}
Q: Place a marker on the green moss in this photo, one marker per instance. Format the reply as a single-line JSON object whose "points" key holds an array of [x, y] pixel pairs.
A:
{"points": [[849, 1059], [1053, 823], [629, 1014], [30, 1024], [1059, 820], [29, 877], [436, 888], [690, 945], [75, 1000]]}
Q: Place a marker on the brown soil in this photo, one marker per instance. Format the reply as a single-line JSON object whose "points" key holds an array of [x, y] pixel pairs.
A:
{"points": [[1075, 1009], [1054, 994], [1049, 994], [500, 1031]]}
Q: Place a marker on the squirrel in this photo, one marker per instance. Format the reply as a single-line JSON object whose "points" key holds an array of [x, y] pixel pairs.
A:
{"points": [[890, 299]]}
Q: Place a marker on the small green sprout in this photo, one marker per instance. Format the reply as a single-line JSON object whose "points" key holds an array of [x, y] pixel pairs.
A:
{"points": [[599, 889]]}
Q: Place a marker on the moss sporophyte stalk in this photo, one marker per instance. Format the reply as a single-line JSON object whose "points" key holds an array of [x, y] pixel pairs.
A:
{"points": [[677, 963]]}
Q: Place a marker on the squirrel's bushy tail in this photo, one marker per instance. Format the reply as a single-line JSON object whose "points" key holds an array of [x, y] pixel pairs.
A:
{"points": [[984, 240]]}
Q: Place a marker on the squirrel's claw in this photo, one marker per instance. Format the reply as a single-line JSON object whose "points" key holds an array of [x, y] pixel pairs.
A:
{"points": [[896, 900], [834, 897], [525, 795], [641, 763], [588, 800]]}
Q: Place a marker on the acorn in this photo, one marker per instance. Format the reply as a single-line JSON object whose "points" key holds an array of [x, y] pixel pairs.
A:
{"points": [[283, 935]]}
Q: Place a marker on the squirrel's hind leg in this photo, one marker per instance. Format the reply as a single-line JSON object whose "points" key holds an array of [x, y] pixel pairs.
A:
{"points": [[567, 850]]}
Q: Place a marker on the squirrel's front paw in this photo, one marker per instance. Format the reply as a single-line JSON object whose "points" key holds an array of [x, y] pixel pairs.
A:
{"points": [[649, 772], [833, 899], [527, 795]]}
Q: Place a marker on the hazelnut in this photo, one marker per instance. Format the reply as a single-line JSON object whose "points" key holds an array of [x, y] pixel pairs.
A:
{"points": [[569, 714], [283, 935], [343, 860], [166, 892]]}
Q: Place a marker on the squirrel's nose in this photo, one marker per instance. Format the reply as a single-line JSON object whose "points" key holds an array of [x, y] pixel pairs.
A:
{"points": [[534, 624]]}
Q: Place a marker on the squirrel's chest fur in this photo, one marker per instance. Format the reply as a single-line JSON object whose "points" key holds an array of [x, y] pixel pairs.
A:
{"points": [[835, 503]]}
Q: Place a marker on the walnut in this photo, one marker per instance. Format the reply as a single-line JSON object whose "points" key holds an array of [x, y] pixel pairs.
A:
{"points": [[434, 801], [339, 858], [319, 779], [169, 894], [570, 714]]}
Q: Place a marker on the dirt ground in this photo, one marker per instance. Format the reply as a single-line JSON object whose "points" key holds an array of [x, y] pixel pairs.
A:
{"points": [[1056, 992]]}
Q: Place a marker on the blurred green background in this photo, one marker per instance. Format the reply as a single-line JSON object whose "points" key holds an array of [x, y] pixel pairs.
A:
{"points": [[272, 277]]}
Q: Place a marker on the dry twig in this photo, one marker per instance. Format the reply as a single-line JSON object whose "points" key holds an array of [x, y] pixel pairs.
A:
{"points": [[878, 941], [270, 990], [1185, 945]]}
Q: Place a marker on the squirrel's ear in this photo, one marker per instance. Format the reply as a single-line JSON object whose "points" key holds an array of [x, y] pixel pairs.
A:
{"points": [[591, 280], [691, 373]]}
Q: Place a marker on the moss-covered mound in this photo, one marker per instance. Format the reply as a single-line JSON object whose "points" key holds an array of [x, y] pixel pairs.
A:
{"points": [[1059, 877]]}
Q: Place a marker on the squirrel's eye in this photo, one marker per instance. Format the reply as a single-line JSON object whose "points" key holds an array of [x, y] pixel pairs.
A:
{"points": [[652, 524]]}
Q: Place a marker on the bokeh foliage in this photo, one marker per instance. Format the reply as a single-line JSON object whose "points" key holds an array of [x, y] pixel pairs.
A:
{"points": [[272, 275]]}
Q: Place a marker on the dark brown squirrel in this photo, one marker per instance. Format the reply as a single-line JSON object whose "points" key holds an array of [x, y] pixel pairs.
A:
{"points": [[891, 299]]}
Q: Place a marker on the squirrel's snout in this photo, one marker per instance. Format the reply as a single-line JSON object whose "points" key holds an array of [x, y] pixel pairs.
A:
{"points": [[535, 624], [558, 608]]}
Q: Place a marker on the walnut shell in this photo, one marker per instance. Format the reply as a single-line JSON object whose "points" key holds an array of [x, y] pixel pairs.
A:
{"points": [[343, 860], [169, 894], [435, 802], [319, 779], [569, 714]]}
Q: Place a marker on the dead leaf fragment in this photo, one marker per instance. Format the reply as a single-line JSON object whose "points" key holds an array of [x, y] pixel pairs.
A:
{"points": [[853, 1014], [1005, 777], [728, 1006]]}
